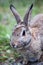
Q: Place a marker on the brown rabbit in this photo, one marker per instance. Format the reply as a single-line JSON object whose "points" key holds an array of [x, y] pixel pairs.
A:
{"points": [[27, 36]]}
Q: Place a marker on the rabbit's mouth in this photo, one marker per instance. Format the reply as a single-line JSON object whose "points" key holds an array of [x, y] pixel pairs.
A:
{"points": [[24, 45], [21, 43]]}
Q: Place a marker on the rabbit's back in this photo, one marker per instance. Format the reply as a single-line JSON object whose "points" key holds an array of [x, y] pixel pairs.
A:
{"points": [[37, 22]]}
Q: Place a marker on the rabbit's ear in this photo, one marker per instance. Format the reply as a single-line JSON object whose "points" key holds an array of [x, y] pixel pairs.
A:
{"points": [[15, 13], [28, 15]]}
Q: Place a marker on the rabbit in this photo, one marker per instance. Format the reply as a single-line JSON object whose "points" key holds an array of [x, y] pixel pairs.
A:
{"points": [[27, 35]]}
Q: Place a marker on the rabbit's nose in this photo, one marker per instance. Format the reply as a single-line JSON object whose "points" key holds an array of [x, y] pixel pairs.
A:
{"points": [[14, 46]]}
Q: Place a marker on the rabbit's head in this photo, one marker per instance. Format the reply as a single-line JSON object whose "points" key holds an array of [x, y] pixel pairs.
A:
{"points": [[21, 35]]}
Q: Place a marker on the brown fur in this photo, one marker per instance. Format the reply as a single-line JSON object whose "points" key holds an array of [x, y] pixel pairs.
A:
{"points": [[28, 38]]}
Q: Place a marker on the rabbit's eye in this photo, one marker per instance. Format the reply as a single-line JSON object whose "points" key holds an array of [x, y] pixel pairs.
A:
{"points": [[23, 33]]}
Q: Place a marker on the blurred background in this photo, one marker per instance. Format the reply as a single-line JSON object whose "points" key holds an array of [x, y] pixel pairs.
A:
{"points": [[7, 22]]}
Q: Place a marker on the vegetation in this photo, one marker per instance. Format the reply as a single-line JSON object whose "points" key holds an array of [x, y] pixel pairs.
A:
{"points": [[7, 23]]}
